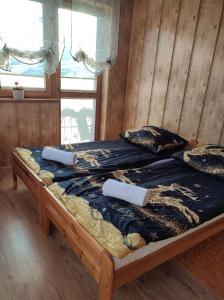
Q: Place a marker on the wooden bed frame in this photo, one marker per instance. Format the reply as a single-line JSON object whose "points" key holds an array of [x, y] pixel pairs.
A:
{"points": [[29, 178], [96, 259]]}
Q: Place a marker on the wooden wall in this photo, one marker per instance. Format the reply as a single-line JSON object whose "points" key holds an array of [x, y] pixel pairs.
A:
{"points": [[27, 122], [176, 68], [114, 80]]}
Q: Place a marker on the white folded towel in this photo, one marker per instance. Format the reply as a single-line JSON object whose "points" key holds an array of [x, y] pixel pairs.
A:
{"points": [[64, 157], [127, 192]]}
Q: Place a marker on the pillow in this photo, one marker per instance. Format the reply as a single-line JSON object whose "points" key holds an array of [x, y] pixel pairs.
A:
{"points": [[207, 159], [154, 139]]}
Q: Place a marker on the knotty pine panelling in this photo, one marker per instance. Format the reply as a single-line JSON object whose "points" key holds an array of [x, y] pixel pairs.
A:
{"points": [[176, 68], [27, 122], [8, 131], [114, 80], [50, 127]]}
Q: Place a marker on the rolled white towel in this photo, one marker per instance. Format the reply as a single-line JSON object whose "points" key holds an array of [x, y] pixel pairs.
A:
{"points": [[131, 193], [64, 157]]}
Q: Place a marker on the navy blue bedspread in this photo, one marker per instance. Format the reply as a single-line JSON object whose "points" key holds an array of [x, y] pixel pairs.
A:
{"points": [[94, 158], [181, 198]]}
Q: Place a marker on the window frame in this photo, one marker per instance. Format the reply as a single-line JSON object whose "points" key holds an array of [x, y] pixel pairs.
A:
{"points": [[53, 90], [32, 92], [52, 81], [92, 95]]}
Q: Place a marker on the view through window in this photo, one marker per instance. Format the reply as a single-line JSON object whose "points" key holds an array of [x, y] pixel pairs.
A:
{"points": [[77, 115], [16, 30], [77, 120], [74, 75]]}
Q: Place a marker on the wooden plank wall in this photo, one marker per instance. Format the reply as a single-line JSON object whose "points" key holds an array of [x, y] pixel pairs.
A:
{"points": [[114, 80], [176, 68], [27, 122]]}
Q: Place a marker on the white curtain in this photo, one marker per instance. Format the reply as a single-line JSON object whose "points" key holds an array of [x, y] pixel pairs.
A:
{"points": [[30, 44], [97, 19], [106, 14], [46, 55]]}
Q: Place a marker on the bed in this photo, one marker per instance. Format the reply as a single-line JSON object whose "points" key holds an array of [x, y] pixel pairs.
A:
{"points": [[94, 157], [186, 207]]}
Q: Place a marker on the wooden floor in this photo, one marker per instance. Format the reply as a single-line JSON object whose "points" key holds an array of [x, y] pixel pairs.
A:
{"points": [[33, 266]]}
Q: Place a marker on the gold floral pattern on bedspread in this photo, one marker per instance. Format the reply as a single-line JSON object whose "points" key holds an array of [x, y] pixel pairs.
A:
{"points": [[45, 175], [26, 155], [107, 234], [207, 159], [154, 139], [86, 159], [157, 195], [91, 156], [92, 220]]}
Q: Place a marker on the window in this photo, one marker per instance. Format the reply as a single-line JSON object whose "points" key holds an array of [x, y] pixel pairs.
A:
{"points": [[77, 120], [16, 30], [74, 75], [87, 30]]}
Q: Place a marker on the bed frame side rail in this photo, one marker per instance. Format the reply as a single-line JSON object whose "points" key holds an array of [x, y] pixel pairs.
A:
{"points": [[147, 263], [95, 258]]}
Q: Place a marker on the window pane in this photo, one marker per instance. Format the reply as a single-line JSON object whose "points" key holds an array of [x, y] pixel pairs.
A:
{"points": [[28, 82], [77, 120], [75, 76], [21, 35], [68, 84]]}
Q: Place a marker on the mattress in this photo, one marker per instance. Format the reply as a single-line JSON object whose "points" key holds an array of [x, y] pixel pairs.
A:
{"points": [[94, 158], [153, 247], [181, 198]]}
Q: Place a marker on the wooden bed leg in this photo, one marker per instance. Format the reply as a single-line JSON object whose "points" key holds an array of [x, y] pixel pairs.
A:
{"points": [[44, 220], [14, 177], [106, 284]]}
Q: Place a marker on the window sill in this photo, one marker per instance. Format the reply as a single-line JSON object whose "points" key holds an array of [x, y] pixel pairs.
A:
{"points": [[29, 100], [78, 94]]}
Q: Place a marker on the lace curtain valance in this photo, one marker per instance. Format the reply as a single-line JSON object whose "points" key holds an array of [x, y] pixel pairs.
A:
{"points": [[46, 55], [32, 46], [106, 16], [107, 13]]}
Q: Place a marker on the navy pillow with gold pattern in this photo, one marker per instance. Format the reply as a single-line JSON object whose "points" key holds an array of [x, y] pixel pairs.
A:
{"points": [[154, 139], [208, 159]]}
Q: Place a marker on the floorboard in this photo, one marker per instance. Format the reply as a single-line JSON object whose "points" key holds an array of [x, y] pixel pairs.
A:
{"points": [[33, 266]]}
